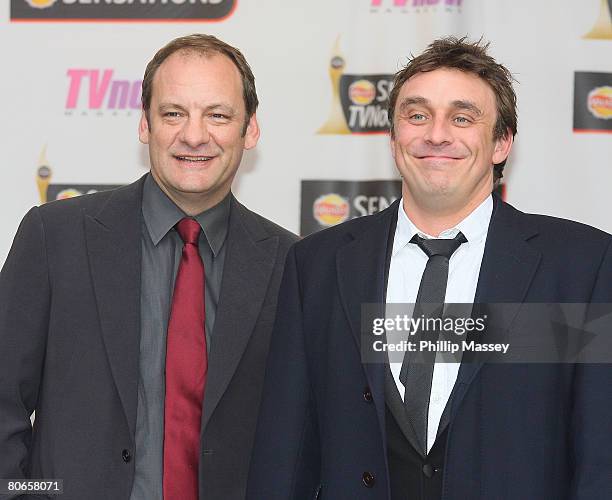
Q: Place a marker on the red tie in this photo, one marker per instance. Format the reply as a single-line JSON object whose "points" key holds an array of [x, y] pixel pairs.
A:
{"points": [[186, 367]]}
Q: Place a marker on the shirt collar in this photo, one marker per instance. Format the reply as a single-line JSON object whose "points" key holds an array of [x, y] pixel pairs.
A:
{"points": [[161, 215], [474, 227]]}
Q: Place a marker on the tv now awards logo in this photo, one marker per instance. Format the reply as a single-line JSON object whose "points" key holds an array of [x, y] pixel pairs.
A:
{"points": [[602, 29], [416, 6], [359, 102], [364, 100], [122, 10], [592, 102], [50, 192], [99, 90]]}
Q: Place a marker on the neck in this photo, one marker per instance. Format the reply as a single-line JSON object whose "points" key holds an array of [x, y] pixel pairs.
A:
{"points": [[433, 220], [193, 204], [197, 204]]}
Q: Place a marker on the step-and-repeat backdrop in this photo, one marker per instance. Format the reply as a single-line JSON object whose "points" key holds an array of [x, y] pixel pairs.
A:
{"points": [[72, 73]]}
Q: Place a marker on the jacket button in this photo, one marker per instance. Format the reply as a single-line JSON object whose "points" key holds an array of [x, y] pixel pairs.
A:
{"points": [[367, 395], [126, 455], [429, 470], [368, 479]]}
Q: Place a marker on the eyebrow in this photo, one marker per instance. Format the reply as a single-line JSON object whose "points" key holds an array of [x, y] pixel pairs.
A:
{"points": [[467, 105], [457, 104], [226, 108], [410, 101], [164, 106]]}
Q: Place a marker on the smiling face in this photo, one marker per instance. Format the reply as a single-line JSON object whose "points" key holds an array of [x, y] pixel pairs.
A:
{"points": [[195, 134], [443, 142]]}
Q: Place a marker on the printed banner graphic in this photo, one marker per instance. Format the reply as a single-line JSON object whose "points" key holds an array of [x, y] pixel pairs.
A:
{"points": [[414, 6], [602, 29], [50, 192], [327, 203], [63, 191], [100, 90], [593, 102], [359, 102], [149, 10]]}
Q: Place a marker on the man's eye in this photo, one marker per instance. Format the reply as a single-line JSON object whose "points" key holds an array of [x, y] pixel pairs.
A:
{"points": [[462, 120], [418, 117], [172, 114], [219, 116]]}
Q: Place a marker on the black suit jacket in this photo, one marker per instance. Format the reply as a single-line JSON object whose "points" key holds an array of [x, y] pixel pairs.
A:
{"points": [[69, 346], [529, 431]]}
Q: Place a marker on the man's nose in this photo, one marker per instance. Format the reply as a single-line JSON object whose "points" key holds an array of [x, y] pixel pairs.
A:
{"points": [[195, 132], [438, 132]]}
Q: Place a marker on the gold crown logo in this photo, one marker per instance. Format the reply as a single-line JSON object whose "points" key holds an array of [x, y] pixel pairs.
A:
{"points": [[336, 123], [602, 30], [43, 175]]}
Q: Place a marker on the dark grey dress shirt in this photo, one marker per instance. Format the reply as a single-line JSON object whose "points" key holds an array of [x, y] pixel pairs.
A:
{"points": [[161, 253]]}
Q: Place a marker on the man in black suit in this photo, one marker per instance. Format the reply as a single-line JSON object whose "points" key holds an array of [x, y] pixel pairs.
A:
{"points": [[336, 425], [136, 322]]}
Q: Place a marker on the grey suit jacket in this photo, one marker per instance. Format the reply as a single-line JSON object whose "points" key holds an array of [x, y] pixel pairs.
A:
{"points": [[69, 346]]}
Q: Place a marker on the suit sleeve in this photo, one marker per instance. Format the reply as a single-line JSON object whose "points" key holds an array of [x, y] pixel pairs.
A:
{"points": [[592, 414], [24, 313], [285, 463]]}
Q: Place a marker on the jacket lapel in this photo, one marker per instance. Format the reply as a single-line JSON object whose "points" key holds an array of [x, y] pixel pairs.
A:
{"points": [[361, 268], [114, 249], [396, 407], [508, 267], [250, 259]]}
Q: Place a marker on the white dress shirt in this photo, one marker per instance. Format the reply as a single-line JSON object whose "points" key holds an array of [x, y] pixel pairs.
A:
{"points": [[405, 271]]}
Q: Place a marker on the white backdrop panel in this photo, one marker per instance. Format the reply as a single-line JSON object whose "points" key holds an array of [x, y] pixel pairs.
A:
{"points": [[289, 45]]}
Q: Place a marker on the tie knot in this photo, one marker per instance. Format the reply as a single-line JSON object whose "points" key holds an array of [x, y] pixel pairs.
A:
{"points": [[189, 230], [438, 246]]}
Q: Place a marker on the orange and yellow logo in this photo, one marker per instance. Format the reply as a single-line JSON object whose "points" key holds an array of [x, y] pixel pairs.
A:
{"points": [[68, 193], [40, 4], [599, 102], [362, 92], [330, 209]]}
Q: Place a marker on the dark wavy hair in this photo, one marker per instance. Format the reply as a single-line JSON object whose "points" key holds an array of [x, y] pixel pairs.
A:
{"points": [[471, 57]]}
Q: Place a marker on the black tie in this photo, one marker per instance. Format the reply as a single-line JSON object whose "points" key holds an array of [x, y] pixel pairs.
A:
{"points": [[417, 376]]}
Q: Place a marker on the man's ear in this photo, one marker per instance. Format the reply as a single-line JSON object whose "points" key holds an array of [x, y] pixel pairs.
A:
{"points": [[502, 147], [251, 136], [143, 129]]}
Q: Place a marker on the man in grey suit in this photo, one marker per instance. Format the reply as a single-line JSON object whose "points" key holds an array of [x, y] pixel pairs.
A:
{"points": [[142, 347]]}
